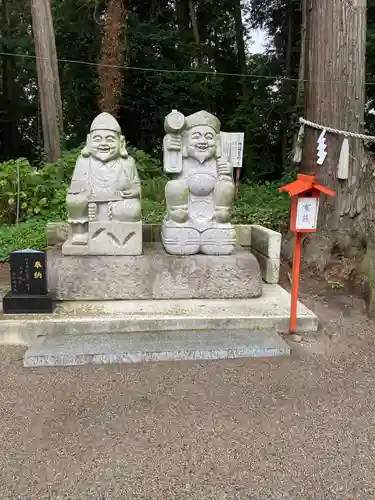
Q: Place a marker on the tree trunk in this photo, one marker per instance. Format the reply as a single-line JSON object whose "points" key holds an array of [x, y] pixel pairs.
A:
{"points": [[112, 57], [10, 129], [287, 83], [302, 59], [334, 97], [183, 21], [370, 232], [194, 23], [55, 68], [241, 53], [48, 78], [153, 10], [183, 18]]}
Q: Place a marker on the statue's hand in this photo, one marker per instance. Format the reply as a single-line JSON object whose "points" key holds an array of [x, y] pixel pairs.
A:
{"points": [[223, 167], [78, 196], [174, 142], [130, 193]]}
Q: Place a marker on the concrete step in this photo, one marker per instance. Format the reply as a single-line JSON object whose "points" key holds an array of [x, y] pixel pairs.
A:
{"points": [[69, 350], [268, 312]]}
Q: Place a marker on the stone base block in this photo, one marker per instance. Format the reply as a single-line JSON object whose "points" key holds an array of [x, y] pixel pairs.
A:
{"points": [[57, 234], [266, 246], [109, 238], [266, 241], [154, 275], [186, 240], [270, 267], [28, 304]]}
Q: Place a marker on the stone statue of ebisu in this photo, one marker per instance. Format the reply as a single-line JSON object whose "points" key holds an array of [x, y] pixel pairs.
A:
{"points": [[200, 196], [103, 200]]}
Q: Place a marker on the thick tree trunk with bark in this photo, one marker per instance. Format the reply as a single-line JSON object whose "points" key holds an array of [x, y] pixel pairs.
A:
{"points": [[183, 21], [240, 42], [11, 136], [288, 73], [302, 59], [48, 78], [194, 22], [370, 235], [334, 97], [112, 56]]}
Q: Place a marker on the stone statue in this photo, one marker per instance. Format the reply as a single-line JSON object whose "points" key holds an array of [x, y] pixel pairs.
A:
{"points": [[200, 196], [103, 200]]}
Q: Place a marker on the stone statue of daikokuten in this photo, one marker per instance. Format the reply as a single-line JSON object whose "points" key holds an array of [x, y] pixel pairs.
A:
{"points": [[103, 199], [200, 195]]}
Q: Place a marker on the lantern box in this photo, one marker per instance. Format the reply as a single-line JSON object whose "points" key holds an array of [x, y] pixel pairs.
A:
{"points": [[305, 195]]}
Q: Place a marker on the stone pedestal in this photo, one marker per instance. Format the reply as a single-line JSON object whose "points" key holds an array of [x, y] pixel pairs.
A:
{"points": [[154, 275], [109, 238]]}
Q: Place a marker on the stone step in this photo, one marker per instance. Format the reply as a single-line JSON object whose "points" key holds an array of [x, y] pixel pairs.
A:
{"points": [[268, 312], [69, 350]]}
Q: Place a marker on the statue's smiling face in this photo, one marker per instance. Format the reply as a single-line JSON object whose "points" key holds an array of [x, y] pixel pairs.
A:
{"points": [[104, 144], [201, 142]]}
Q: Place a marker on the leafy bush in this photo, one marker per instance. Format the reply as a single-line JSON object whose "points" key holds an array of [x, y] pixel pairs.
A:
{"points": [[148, 166], [42, 189], [30, 234], [261, 204]]}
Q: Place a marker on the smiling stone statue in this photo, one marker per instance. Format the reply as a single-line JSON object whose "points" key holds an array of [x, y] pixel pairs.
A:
{"points": [[200, 196], [103, 200]]}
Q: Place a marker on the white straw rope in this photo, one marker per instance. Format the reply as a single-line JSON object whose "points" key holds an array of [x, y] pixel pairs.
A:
{"points": [[367, 138]]}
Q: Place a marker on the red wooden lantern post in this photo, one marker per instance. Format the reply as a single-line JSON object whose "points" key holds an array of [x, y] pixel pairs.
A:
{"points": [[305, 195], [238, 173]]}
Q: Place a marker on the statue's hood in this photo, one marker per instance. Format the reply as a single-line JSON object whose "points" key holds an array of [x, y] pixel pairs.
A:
{"points": [[105, 121]]}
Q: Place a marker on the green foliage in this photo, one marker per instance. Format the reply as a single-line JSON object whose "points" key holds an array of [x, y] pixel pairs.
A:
{"points": [[40, 191], [261, 204], [148, 166], [30, 234], [153, 199]]}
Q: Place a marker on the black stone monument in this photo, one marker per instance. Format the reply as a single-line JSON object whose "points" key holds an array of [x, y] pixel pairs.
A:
{"points": [[28, 274]]}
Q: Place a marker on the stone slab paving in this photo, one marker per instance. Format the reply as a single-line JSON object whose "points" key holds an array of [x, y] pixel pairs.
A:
{"points": [[68, 350]]}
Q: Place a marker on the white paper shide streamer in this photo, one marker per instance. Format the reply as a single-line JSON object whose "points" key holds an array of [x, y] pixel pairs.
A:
{"points": [[343, 166], [344, 159], [322, 148]]}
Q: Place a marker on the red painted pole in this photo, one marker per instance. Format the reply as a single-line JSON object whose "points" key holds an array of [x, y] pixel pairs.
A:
{"points": [[295, 282], [238, 171]]}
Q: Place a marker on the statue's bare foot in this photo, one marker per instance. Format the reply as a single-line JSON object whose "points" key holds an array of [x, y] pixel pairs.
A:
{"points": [[80, 239]]}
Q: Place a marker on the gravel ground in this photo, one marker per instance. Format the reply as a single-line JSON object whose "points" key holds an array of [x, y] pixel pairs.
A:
{"points": [[288, 428]]}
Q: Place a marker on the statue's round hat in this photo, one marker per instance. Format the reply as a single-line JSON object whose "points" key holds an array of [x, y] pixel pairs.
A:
{"points": [[203, 118], [105, 121]]}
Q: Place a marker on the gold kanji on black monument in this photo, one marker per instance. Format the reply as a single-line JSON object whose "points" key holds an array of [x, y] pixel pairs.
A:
{"points": [[29, 292]]}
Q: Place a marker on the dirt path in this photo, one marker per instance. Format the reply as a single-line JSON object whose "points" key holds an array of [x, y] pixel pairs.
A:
{"points": [[292, 428]]}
